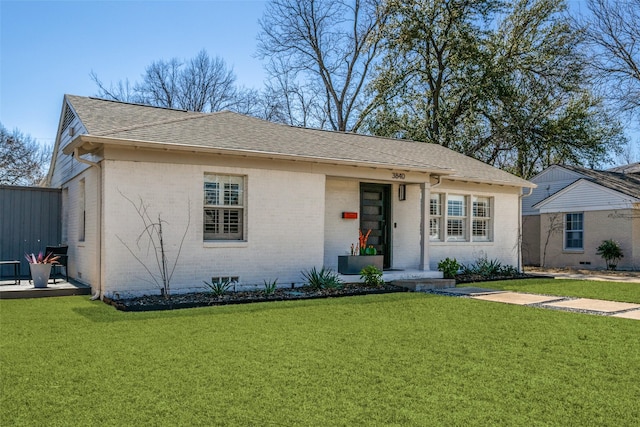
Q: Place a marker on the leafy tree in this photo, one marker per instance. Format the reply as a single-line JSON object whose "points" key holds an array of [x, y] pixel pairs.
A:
{"points": [[502, 82], [22, 160], [200, 84], [320, 54]]}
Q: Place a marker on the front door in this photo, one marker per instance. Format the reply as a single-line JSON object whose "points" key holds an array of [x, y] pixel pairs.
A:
{"points": [[375, 211]]}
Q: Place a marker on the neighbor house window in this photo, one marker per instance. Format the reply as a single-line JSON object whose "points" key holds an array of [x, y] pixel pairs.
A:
{"points": [[456, 217], [435, 216], [574, 231], [223, 207], [481, 226]]}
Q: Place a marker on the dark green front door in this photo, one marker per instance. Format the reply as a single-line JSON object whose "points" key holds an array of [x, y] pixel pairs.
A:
{"points": [[375, 208]]}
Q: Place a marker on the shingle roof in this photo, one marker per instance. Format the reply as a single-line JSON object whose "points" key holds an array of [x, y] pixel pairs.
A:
{"points": [[233, 131], [625, 183]]}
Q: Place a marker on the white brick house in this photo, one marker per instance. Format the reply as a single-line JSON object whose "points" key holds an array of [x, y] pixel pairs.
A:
{"points": [[263, 201]]}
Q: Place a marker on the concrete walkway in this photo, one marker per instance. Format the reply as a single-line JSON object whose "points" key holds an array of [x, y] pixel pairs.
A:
{"points": [[581, 305]]}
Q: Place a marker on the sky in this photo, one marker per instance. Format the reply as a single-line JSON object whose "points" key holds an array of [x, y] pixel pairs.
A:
{"points": [[49, 48]]}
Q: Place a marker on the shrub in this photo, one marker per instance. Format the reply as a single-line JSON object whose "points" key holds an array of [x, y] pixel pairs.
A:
{"points": [[611, 252], [372, 275], [270, 287], [323, 279], [449, 267], [218, 288]]}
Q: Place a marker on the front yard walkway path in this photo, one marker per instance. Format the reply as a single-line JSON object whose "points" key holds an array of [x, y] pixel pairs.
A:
{"points": [[580, 305]]}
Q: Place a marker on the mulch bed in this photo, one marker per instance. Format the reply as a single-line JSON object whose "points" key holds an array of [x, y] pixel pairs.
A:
{"points": [[205, 299]]}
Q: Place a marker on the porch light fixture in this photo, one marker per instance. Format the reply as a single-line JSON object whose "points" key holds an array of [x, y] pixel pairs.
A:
{"points": [[402, 192]]}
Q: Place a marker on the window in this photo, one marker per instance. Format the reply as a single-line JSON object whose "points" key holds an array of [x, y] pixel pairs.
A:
{"points": [[223, 207], [481, 226], [82, 208], [573, 231], [435, 216], [456, 217]]}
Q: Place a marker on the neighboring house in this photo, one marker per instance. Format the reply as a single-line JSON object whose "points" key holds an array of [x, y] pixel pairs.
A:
{"points": [[574, 209], [264, 201]]}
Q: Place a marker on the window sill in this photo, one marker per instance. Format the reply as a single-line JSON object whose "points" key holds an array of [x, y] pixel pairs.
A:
{"points": [[573, 251], [225, 244]]}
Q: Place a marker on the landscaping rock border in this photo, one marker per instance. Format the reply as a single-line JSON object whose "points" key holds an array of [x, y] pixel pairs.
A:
{"points": [[206, 299]]}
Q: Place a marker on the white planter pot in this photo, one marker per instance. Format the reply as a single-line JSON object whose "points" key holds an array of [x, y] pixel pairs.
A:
{"points": [[40, 274]]}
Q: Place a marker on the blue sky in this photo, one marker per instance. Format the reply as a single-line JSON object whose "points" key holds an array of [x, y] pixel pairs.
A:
{"points": [[49, 48]]}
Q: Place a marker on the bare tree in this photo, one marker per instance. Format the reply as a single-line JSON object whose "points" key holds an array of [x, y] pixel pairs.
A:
{"points": [[22, 160], [613, 31], [201, 84], [555, 225], [329, 48], [153, 238]]}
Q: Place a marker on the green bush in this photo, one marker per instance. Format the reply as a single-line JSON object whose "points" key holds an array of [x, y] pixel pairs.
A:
{"points": [[270, 287], [449, 267], [371, 275], [611, 252], [218, 288], [323, 279]]}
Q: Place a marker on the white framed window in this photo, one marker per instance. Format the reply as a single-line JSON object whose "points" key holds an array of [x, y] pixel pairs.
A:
{"points": [[481, 225], [82, 211], [435, 216], [456, 217], [574, 231], [223, 217]]}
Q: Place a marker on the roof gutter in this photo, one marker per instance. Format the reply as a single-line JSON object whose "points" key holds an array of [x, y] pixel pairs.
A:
{"points": [[76, 155]]}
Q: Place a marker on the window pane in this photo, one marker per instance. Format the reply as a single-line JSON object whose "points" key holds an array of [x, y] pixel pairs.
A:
{"points": [[434, 228], [211, 196], [456, 206], [481, 207], [480, 229], [232, 194], [435, 208], [211, 221], [455, 228]]}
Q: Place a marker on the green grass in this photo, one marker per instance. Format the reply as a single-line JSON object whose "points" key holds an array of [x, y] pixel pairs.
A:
{"points": [[612, 291], [395, 359]]}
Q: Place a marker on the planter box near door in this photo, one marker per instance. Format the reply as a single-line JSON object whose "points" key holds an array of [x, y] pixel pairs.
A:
{"points": [[353, 264], [40, 274]]}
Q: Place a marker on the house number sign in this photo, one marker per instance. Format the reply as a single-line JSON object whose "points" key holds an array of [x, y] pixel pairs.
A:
{"points": [[396, 175]]}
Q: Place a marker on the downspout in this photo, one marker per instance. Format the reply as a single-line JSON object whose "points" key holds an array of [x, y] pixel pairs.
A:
{"points": [[76, 155], [520, 197], [437, 183]]}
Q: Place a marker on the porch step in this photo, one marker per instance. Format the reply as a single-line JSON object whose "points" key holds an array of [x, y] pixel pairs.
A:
{"points": [[424, 284]]}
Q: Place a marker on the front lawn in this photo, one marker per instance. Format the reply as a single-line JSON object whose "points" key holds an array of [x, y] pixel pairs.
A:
{"points": [[395, 359], [612, 291]]}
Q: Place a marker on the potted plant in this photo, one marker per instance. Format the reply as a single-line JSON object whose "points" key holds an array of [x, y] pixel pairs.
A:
{"points": [[40, 267], [361, 256]]}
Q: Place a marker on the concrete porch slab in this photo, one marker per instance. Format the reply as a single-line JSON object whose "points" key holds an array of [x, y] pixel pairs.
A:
{"points": [[391, 275], [595, 305], [634, 314], [516, 298], [26, 289]]}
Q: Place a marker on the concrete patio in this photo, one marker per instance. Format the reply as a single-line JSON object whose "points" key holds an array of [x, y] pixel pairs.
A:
{"points": [[25, 289]]}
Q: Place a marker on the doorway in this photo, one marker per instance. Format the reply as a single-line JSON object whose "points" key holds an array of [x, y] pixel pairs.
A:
{"points": [[375, 211]]}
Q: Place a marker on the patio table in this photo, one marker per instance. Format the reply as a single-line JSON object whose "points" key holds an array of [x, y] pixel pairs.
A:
{"points": [[16, 269]]}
